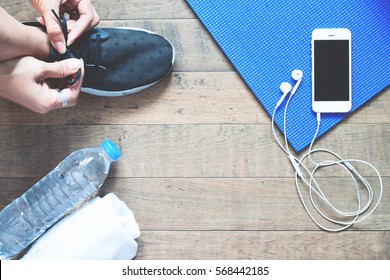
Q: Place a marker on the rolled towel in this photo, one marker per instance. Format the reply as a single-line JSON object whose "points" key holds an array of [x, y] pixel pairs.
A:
{"points": [[103, 229]]}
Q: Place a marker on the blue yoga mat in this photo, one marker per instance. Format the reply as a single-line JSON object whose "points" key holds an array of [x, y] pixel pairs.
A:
{"points": [[266, 40]]}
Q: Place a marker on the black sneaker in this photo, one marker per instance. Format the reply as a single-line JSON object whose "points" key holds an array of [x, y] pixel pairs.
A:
{"points": [[119, 61]]}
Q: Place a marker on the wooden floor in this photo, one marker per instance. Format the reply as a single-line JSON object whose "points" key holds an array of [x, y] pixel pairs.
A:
{"points": [[200, 168]]}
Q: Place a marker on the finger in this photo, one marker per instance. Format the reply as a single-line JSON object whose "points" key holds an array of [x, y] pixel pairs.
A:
{"points": [[68, 97], [87, 18], [65, 98], [41, 21], [77, 85], [61, 69], [54, 31], [74, 17], [96, 18]]}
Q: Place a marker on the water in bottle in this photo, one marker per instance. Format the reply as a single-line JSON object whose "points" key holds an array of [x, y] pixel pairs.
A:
{"points": [[60, 191]]}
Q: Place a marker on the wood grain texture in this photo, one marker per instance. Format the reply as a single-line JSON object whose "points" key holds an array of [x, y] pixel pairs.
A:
{"points": [[200, 168], [180, 98], [181, 150], [221, 204], [264, 245]]}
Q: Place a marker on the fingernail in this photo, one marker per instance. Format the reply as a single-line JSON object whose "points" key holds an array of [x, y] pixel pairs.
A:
{"points": [[74, 64], [60, 47]]}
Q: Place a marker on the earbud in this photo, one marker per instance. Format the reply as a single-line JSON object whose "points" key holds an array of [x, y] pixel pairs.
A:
{"points": [[297, 76], [285, 88]]}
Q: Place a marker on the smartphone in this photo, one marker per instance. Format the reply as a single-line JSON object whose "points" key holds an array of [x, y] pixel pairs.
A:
{"points": [[331, 70]]}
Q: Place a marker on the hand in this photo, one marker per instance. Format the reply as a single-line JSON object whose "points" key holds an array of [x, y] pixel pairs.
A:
{"points": [[29, 82], [82, 16]]}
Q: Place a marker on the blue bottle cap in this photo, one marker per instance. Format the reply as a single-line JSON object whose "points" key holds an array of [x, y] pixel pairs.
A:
{"points": [[112, 151]]}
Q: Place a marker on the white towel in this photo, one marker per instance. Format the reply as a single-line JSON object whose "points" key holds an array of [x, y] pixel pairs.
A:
{"points": [[103, 229]]}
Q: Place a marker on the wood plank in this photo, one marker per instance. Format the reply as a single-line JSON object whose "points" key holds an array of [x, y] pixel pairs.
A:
{"points": [[264, 245], [180, 98], [234, 204], [182, 150], [119, 9], [224, 204], [374, 111]]}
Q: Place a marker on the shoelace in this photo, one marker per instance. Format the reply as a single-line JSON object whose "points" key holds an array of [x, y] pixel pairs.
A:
{"points": [[64, 27], [93, 54]]}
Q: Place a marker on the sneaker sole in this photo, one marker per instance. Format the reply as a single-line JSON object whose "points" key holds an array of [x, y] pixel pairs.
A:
{"points": [[99, 92]]}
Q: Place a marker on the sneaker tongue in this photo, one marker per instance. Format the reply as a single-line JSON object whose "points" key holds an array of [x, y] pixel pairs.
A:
{"points": [[85, 49], [88, 46]]}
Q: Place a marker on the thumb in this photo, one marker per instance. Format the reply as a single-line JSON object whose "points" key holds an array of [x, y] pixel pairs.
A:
{"points": [[61, 69], [54, 30]]}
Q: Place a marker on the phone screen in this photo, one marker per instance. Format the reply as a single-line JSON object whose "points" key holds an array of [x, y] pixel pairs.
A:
{"points": [[331, 70]]}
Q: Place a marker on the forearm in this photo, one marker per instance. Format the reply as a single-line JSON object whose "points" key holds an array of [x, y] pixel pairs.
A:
{"points": [[17, 39]]}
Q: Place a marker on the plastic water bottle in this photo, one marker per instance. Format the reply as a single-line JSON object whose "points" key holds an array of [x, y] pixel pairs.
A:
{"points": [[64, 188]]}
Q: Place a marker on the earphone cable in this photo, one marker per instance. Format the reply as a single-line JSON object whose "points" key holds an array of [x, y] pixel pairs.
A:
{"points": [[346, 218]]}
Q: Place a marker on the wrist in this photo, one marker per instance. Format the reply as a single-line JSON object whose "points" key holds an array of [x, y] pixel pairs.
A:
{"points": [[17, 39], [38, 44]]}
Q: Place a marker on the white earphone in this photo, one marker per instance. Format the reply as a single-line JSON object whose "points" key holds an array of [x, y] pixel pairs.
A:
{"points": [[297, 76], [307, 176], [286, 87]]}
